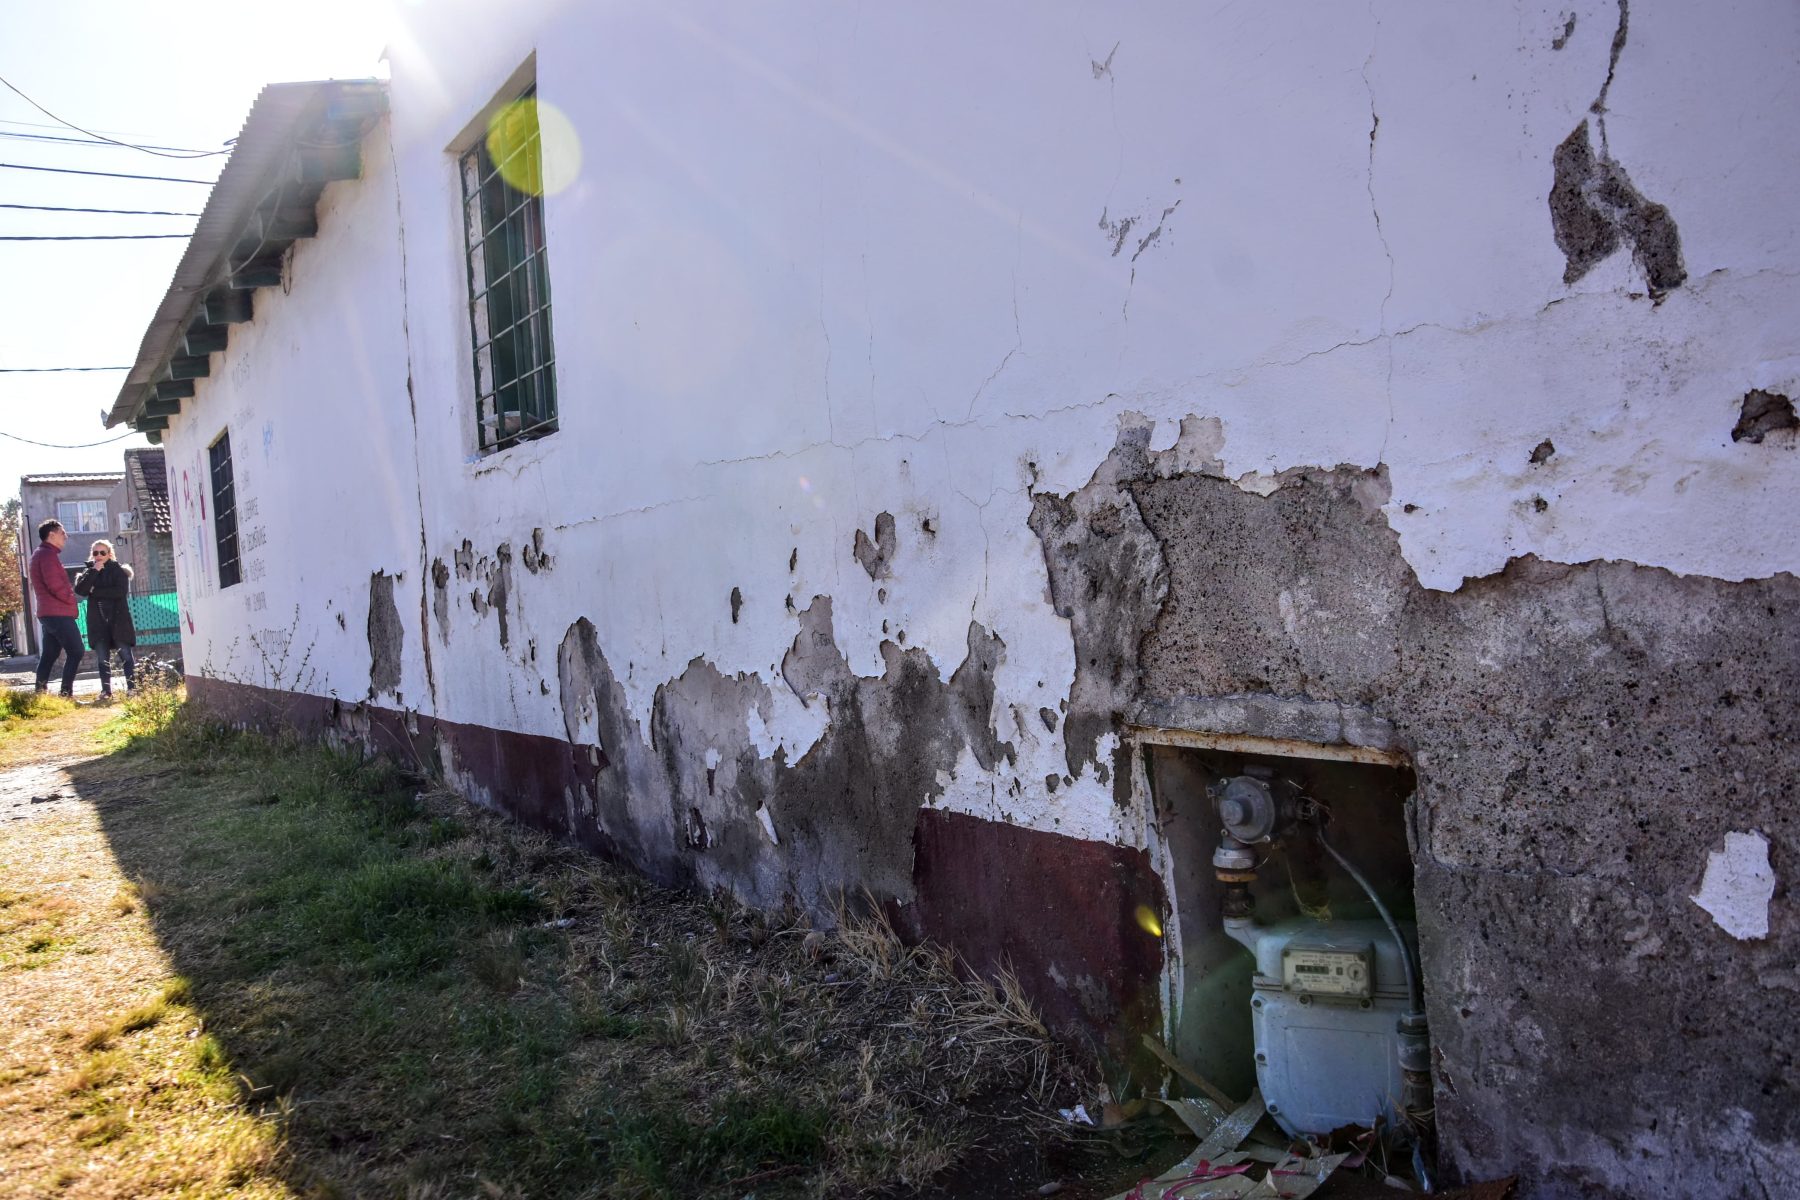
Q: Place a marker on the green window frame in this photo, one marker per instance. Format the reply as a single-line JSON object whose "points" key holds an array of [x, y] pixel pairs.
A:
{"points": [[509, 280], [224, 511]]}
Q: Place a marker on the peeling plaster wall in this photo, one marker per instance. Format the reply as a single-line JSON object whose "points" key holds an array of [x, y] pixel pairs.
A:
{"points": [[940, 389]]}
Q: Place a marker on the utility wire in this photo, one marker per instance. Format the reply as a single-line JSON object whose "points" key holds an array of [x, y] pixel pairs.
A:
{"points": [[125, 212], [69, 446], [74, 141], [107, 174], [42, 370], [101, 137], [94, 237]]}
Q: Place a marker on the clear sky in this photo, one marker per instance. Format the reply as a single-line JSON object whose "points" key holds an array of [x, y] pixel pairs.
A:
{"points": [[182, 74]]}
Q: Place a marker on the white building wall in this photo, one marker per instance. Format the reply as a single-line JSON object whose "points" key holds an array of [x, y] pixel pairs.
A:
{"points": [[313, 394], [825, 262]]}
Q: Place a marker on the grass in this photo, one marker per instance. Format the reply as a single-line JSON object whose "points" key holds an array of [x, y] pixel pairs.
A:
{"points": [[29, 723], [315, 976], [19, 705]]}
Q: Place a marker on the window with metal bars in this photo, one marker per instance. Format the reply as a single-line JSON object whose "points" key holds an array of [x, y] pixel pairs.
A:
{"points": [[225, 511], [509, 280]]}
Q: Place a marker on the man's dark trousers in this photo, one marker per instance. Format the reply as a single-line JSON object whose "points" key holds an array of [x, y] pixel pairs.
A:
{"points": [[61, 635]]}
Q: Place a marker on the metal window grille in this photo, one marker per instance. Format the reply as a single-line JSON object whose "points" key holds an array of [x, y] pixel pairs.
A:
{"points": [[509, 281], [225, 512]]}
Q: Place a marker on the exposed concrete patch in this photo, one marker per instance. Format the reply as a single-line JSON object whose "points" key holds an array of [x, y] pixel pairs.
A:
{"points": [[1107, 579], [698, 798], [620, 793], [440, 597], [493, 580], [1594, 208], [1764, 413], [1104, 69], [500, 587], [1738, 885], [387, 636], [1568, 31], [972, 699], [876, 556], [534, 556], [714, 779], [851, 802], [1566, 723], [1116, 230]]}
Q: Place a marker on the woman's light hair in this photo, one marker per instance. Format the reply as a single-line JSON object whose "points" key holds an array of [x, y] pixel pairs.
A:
{"points": [[101, 544]]}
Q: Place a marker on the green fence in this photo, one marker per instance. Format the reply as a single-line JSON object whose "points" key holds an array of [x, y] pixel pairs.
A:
{"points": [[157, 616]]}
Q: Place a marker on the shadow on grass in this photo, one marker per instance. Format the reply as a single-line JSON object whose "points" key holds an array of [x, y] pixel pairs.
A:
{"points": [[390, 987], [430, 1001]]}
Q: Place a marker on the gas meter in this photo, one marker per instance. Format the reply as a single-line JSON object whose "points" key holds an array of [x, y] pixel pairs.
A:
{"points": [[1336, 1009]]}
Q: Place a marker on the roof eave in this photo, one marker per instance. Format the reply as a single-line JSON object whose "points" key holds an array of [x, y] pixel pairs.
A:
{"points": [[298, 138]]}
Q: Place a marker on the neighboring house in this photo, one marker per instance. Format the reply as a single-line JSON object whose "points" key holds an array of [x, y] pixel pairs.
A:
{"points": [[83, 503], [141, 514], [962, 438]]}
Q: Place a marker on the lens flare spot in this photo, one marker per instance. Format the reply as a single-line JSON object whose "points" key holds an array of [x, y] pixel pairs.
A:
{"points": [[1147, 921], [534, 147]]}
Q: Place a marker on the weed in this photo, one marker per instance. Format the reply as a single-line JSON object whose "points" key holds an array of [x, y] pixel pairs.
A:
{"points": [[172, 996], [209, 1057], [21, 704], [498, 961], [661, 1149], [100, 1070], [97, 1131]]}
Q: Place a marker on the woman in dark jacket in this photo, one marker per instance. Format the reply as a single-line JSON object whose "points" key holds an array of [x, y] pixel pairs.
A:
{"points": [[107, 585]]}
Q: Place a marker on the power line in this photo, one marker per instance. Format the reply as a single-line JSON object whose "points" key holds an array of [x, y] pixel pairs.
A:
{"points": [[80, 141], [114, 141], [42, 370], [107, 174], [69, 446], [94, 237], [125, 212]]}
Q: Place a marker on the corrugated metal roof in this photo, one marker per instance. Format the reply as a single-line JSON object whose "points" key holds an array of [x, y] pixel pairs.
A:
{"points": [[72, 477], [283, 115]]}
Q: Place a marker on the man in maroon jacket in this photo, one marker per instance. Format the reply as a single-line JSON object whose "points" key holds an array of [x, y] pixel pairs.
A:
{"points": [[56, 609]]}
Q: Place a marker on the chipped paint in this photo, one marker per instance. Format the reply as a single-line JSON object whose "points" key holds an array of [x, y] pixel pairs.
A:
{"points": [[1738, 886]]}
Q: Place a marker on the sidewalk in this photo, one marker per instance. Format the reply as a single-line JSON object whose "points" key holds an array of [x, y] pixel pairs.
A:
{"points": [[20, 671]]}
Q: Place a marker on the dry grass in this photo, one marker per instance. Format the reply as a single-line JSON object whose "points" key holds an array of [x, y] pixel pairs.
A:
{"points": [[36, 726], [99, 1095], [274, 970]]}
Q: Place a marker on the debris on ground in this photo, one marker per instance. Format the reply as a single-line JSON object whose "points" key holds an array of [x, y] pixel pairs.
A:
{"points": [[1240, 1152]]}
